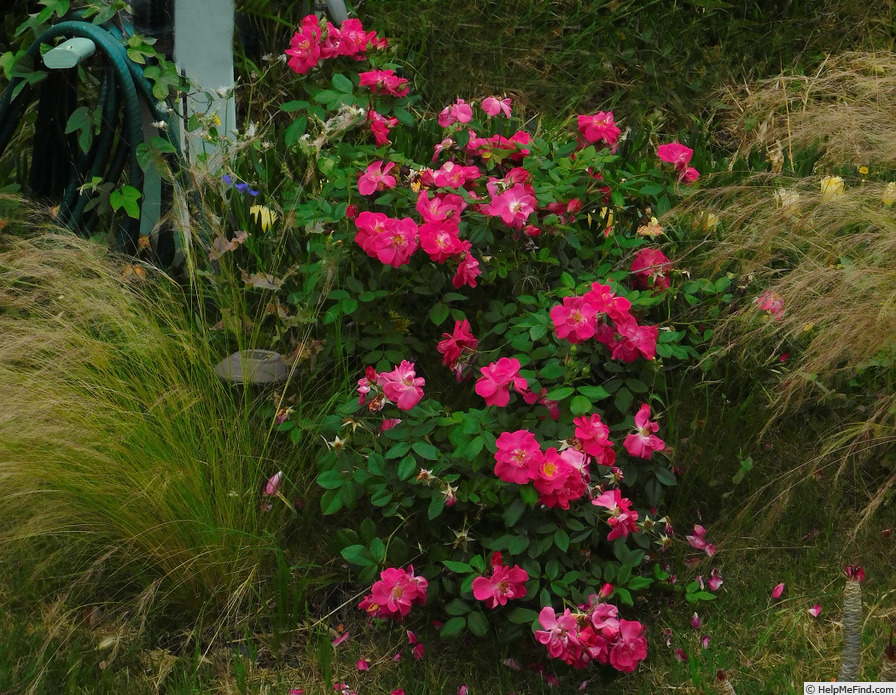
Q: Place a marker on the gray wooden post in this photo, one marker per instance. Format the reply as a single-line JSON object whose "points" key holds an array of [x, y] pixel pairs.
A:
{"points": [[203, 52]]}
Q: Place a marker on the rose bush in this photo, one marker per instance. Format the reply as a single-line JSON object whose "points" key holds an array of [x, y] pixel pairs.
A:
{"points": [[508, 318]]}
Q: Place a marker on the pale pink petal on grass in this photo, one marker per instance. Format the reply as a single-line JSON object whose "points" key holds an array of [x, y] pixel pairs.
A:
{"points": [[815, 610], [339, 640], [273, 485]]}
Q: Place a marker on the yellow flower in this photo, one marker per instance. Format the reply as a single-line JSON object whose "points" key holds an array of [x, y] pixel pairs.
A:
{"points": [[831, 186], [710, 222], [863, 170], [263, 214], [889, 196]]}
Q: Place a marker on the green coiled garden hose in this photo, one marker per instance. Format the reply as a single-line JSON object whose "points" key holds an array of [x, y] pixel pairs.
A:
{"points": [[121, 90]]}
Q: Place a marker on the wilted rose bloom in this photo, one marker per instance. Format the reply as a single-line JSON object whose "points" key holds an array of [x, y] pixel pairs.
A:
{"points": [[649, 269], [784, 197], [772, 303], [831, 187], [889, 196]]}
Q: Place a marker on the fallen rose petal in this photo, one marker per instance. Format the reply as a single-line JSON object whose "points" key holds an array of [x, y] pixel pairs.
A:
{"points": [[681, 655], [397, 657], [696, 622], [551, 680], [778, 590], [418, 651], [363, 665], [462, 690], [705, 641], [513, 663], [814, 611], [339, 640]]}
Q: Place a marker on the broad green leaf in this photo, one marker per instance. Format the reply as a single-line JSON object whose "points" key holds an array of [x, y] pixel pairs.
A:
{"points": [[342, 83], [357, 555], [477, 623], [438, 313], [522, 616], [330, 480], [453, 628], [459, 567], [580, 405], [398, 450], [330, 502], [378, 550], [457, 607], [425, 450]]}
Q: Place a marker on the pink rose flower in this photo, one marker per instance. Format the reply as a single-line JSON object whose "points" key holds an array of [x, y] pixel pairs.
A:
{"points": [[397, 244], [631, 647], [468, 269], [492, 106], [504, 584], [518, 457], [494, 384], [376, 178], [643, 442], [594, 437], [600, 127], [304, 47], [385, 82], [459, 112], [402, 386], [675, 153], [380, 127], [558, 633], [440, 240], [574, 320]]}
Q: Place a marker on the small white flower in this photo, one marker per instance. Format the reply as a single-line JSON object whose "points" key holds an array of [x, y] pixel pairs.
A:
{"points": [[161, 125]]}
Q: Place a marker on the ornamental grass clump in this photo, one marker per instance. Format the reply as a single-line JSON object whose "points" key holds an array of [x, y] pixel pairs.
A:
{"points": [[807, 241], [132, 467]]}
